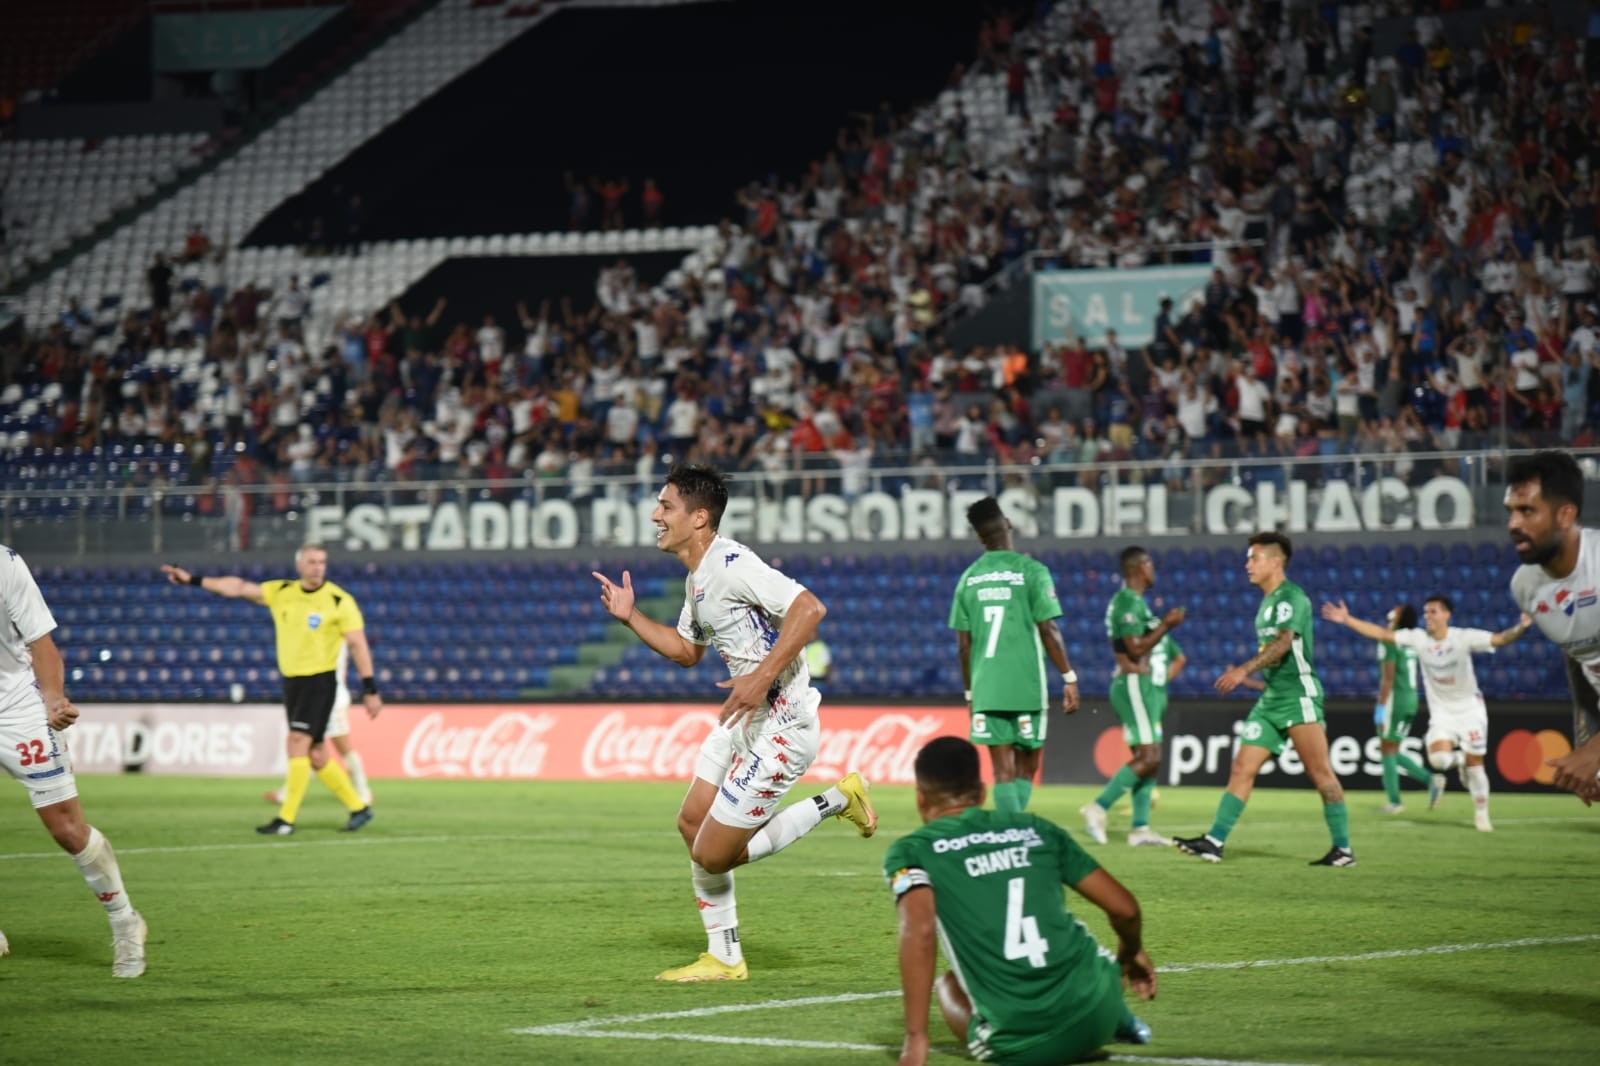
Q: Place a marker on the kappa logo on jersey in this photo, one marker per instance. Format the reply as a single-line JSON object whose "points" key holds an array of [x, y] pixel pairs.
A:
{"points": [[313, 621], [727, 560], [758, 812]]}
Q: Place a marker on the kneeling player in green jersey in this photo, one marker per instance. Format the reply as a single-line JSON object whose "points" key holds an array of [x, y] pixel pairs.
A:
{"points": [[1136, 638], [1396, 710], [1008, 602], [1289, 710], [1027, 982]]}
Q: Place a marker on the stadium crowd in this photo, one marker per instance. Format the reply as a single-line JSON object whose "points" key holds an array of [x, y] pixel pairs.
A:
{"points": [[1403, 252]]}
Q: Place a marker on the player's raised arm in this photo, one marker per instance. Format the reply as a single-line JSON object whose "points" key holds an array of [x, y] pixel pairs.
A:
{"points": [[1138, 646], [1513, 634], [660, 638], [1340, 614], [234, 588]]}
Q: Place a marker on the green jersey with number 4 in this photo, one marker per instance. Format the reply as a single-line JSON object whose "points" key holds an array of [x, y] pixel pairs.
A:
{"points": [[1292, 678], [1000, 600], [1028, 965]]}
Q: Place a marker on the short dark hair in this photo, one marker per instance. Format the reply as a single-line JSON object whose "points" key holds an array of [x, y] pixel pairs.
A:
{"points": [[701, 486], [1442, 600], [1560, 480], [1406, 617], [1276, 540], [1130, 558], [985, 515], [948, 765]]}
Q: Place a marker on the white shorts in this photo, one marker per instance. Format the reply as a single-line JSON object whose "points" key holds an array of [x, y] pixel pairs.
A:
{"points": [[339, 717], [35, 754], [1466, 725], [752, 775]]}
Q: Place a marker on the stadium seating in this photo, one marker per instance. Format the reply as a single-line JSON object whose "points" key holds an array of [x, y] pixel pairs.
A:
{"points": [[492, 631]]}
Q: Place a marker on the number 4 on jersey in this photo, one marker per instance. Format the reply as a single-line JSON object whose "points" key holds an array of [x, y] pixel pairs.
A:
{"points": [[1022, 930]]}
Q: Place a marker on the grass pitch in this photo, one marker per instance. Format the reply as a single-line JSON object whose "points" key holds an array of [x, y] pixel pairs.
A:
{"points": [[468, 914]]}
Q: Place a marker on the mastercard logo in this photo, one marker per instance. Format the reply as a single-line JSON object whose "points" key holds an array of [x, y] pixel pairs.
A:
{"points": [[1111, 752], [1521, 755]]}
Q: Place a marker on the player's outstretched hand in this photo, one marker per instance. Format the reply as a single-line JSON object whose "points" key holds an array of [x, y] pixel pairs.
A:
{"points": [[745, 693], [914, 1052], [1336, 613], [618, 599], [1140, 974], [175, 574], [60, 715], [1231, 678], [1575, 772]]}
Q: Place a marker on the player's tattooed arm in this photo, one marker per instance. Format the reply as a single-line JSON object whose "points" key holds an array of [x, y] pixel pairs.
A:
{"points": [[1271, 654], [1508, 636]]}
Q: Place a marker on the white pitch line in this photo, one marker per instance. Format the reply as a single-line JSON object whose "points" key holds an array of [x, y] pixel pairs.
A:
{"points": [[354, 841], [606, 1028], [1372, 956]]}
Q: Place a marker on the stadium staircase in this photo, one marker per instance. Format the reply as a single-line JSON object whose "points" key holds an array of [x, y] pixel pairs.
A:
{"points": [[240, 188]]}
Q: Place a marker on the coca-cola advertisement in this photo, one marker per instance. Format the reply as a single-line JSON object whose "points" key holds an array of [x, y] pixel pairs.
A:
{"points": [[636, 742]]}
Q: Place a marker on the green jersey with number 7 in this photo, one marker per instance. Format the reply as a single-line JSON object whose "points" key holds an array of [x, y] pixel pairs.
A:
{"points": [[1000, 600]]}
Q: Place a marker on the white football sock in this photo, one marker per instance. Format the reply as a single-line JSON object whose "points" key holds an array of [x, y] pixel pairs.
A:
{"points": [[794, 822], [1477, 784], [98, 864], [358, 775], [713, 894]]}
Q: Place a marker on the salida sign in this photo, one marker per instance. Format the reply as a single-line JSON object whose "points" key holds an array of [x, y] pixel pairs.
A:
{"points": [[1387, 504]]}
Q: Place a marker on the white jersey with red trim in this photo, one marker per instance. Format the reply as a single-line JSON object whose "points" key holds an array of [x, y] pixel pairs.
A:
{"points": [[1567, 610], [1447, 674], [27, 618], [736, 603]]}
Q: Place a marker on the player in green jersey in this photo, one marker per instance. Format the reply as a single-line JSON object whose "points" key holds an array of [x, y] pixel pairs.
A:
{"points": [[1027, 982], [1396, 710], [1288, 710], [1004, 611], [1135, 635]]}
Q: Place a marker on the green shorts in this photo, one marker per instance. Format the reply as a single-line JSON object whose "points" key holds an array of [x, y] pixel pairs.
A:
{"points": [[1139, 706], [1020, 729], [1070, 1041], [1398, 725], [1269, 721]]}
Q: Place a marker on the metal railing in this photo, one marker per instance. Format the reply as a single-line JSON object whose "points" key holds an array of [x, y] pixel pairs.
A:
{"points": [[812, 502]]}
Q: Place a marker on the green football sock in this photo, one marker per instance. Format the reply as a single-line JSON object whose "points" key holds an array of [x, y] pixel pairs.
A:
{"points": [[1141, 801], [1228, 812], [1414, 770], [1337, 815], [1024, 793], [1391, 778], [1005, 796], [1120, 782]]}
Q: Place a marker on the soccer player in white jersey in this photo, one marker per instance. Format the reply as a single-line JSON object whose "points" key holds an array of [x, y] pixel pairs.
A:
{"points": [[760, 622], [338, 733], [1557, 585], [34, 710], [1457, 718]]}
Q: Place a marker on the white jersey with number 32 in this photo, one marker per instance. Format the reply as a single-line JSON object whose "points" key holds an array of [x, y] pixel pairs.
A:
{"points": [[1566, 610]]}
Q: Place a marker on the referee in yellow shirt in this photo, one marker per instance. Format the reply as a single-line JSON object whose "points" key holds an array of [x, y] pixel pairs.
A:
{"points": [[313, 616]]}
